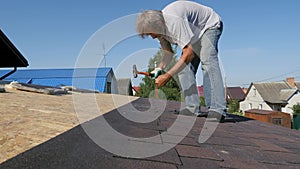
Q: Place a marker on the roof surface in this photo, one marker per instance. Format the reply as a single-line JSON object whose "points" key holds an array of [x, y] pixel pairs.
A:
{"points": [[232, 92], [10, 55], [286, 94], [86, 78], [260, 111], [274, 92], [297, 85], [235, 93], [200, 90], [237, 143], [30, 118]]}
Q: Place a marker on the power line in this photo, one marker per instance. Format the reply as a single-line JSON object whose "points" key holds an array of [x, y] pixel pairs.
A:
{"points": [[278, 76], [270, 78]]}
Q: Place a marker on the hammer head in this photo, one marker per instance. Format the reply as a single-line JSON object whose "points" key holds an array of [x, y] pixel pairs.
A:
{"points": [[134, 71]]}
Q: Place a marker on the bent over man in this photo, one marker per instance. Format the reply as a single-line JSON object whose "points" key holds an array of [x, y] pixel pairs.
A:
{"points": [[196, 29]]}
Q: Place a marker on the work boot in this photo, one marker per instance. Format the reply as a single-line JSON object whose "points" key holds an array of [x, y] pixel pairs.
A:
{"points": [[219, 117], [202, 112], [188, 111]]}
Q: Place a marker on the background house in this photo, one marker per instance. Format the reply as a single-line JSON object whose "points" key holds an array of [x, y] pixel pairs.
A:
{"points": [[276, 96], [200, 91], [235, 93], [99, 79], [135, 90], [125, 86], [232, 93], [295, 99]]}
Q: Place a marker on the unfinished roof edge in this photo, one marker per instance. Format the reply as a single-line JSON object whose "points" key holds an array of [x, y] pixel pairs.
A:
{"points": [[8, 48]]}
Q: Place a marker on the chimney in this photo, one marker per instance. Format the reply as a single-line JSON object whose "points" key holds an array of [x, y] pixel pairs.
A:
{"points": [[291, 81]]}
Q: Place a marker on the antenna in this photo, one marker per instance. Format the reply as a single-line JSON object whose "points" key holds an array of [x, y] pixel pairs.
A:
{"points": [[225, 87], [104, 54]]}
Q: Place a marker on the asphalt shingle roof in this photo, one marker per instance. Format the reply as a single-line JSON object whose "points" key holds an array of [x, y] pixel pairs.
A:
{"points": [[235, 93], [237, 143]]}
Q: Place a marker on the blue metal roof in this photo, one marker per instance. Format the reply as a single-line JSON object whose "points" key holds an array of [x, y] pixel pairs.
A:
{"points": [[59, 73], [84, 78]]}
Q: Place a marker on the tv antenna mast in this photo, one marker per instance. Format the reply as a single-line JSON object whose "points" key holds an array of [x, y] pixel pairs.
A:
{"points": [[104, 54]]}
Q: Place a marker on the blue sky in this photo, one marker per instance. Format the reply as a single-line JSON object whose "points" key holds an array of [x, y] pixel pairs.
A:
{"points": [[260, 41]]}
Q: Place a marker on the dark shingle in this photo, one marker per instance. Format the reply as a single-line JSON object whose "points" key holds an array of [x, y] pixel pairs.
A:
{"points": [[235, 93], [238, 143]]}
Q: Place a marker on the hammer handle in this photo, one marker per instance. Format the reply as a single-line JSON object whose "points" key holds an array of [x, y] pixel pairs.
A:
{"points": [[156, 90], [144, 73]]}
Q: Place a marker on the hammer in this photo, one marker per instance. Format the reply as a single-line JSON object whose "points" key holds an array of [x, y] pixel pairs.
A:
{"points": [[135, 75], [136, 72]]}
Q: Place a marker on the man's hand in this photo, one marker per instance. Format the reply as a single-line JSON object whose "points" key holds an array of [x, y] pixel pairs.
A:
{"points": [[163, 79], [155, 73]]}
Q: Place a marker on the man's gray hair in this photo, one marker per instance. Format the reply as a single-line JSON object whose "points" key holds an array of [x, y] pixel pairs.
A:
{"points": [[150, 21]]}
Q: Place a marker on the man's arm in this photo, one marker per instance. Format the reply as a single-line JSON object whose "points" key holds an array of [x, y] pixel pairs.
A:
{"points": [[186, 57], [167, 52]]}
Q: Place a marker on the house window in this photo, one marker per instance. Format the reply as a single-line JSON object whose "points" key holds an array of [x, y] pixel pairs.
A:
{"points": [[260, 106], [254, 92], [250, 105], [277, 121]]}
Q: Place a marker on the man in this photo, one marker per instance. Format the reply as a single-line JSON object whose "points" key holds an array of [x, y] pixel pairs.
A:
{"points": [[196, 29]]}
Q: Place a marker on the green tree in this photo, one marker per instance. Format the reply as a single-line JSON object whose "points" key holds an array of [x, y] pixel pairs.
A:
{"points": [[202, 101], [233, 105], [296, 109], [296, 116], [171, 90]]}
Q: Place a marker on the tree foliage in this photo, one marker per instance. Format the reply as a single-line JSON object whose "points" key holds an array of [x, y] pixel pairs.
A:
{"points": [[233, 105], [171, 90], [202, 101], [296, 109]]}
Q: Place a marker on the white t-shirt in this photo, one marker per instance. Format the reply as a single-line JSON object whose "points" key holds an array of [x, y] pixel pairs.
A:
{"points": [[186, 21]]}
